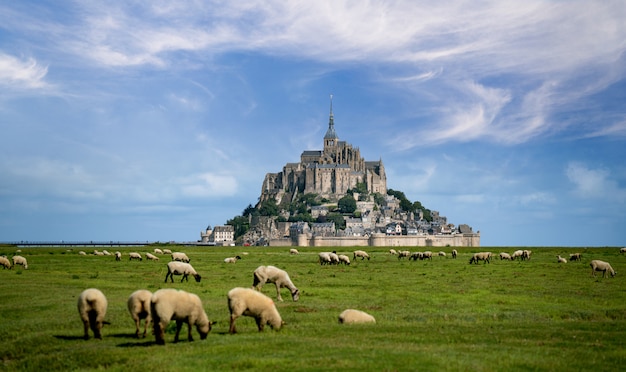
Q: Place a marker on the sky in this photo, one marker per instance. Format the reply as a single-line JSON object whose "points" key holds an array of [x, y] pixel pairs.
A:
{"points": [[150, 120]]}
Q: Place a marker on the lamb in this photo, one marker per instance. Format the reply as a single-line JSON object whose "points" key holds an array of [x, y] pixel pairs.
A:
{"points": [[560, 259], [20, 260], [150, 256], [183, 307], [597, 265], [361, 254], [344, 259], [480, 256], [232, 259], [180, 256], [181, 268], [575, 257], [352, 316], [92, 308], [517, 254], [157, 251], [139, 308], [324, 258], [454, 253], [248, 302], [118, 256], [505, 256], [280, 278], [293, 251], [5, 262], [393, 252], [134, 255]]}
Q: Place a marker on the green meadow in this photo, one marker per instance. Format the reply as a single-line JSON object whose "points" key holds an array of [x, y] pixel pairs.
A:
{"points": [[439, 315]]}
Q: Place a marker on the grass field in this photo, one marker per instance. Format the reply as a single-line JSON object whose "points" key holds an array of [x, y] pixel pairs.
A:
{"points": [[434, 315]]}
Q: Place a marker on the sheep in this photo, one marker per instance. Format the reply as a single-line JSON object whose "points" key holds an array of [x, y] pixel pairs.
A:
{"points": [[97, 253], [427, 255], [505, 256], [454, 253], [150, 256], [180, 256], [157, 251], [597, 265], [5, 262], [393, 252], [181, 268], [334, 258], [232, 259], [344, 259], [20, 260], [526, 255], [280, 278], [361, 254], [441, 254], [517, 254], [118, 256], [560, 259], [352, 316], [134, 255], [139, 308], [575, 257], [481, 256], [248, 302], [167, 251], [82, 253], [324, 258], [105, 252], [183, 307], [622, 250], [402, 254], [293, 251], [415, 256], [92, 308]]}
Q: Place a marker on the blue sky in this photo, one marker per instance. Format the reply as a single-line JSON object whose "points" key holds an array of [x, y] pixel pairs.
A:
{"points": [[148, 121]]}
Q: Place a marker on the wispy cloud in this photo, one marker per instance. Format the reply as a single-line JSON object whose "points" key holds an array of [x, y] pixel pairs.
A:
{"points": [[594, 183], [21, 73]]}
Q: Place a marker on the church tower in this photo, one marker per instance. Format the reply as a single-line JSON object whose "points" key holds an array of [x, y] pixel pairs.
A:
{"points": [[331, 139]]}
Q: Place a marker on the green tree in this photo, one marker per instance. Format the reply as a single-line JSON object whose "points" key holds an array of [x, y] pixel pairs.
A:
{"points": [[338, 219], [347, 204], [269, 208], [240, 225]]}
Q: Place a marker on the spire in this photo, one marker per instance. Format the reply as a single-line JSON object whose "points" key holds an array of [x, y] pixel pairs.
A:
{"points": [[330, 133]]}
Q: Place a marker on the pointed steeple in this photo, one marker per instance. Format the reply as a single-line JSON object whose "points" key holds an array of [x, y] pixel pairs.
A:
{"points": [[330, 133]]}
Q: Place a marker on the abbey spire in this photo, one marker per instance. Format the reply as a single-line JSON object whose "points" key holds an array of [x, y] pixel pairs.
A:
{"points": [[330, 139]]}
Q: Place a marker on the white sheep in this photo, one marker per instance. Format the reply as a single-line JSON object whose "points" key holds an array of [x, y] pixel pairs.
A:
{"points": [[139, 308], [5, 262], [151, 257], [248, 302], [135, 256], [167, 251], [517, 254], [293, 251], [106, 253], [280, 278], [622, 250], [362, 254], [505, 256], [20, 260], [415, 256], [481, 256], [82, 253], [324, 258], [441, 254], [427, 255], [454, 253], [118, 256], [180, 256], [343, 259], [402, 254], [97, 253], [158, 251], [232, 259], [526, 254], [393, 252], [575, 257], [560, 259], [597, 265], [352, 316], [92, 308], [181, 268], [183, 307]]}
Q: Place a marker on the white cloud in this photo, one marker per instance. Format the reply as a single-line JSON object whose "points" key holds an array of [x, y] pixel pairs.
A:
{"points": [[596, 183], [208, 185], [19, 73]]}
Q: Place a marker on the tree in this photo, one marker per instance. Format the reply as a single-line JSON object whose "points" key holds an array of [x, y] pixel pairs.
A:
{"points": [[240, 225], [340, 223], [269, 208], [347, 204]]}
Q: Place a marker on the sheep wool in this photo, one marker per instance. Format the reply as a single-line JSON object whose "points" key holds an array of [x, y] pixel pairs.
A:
{"points": [[597, 265], [248, 302], [352, 316], [180, 256], [280, 278], [139, 308], [5, 262], [20, 260], [183, 307], [92, 308], [181, 268]]}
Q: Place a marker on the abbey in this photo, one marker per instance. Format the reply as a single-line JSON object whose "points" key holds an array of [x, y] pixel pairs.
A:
{"points": [[330, 172]]}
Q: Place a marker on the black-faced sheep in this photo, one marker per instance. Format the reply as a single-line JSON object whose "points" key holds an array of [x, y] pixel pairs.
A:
{"points": [[597, 265], [248, 302], [5, 262], [97, 253], [622, 250], [180, 256], [20, 260], [481, 256], [454, 253], [428, 255], [82, 253], [293, 251], [106, 253], [393, 252], [560, 259], [343, 259], [135, 256], [181, 268], [158, 251], [352, 316], [151, 257], [324, 258], [505, 256], [92, 308], [232, 259], [575, 257], [280, 278], [118, 256], [415, 256], [362, 254], [526, 254], [139, 308], [183, 307], [441, 254], [167, 251], [517, 253], [402, 254]]}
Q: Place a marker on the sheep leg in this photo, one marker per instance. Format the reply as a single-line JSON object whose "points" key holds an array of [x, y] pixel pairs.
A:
{"points": [[86, 326], [184, 277], [232, 329], [179, 325], [166, 275], [189, 336], [159, 333], [278, 292]]}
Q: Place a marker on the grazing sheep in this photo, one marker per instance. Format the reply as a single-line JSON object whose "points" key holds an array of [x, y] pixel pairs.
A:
{"points": [[97, 253], [180, 256], [139, 308], [134, 255], [351, 316], [526, 255], [92, 308], [248, 302], [280, 278], [575, 257], [441, 254], [157, 251], [82, 253], [232, 259], [118, 256], [20, 260], [622, 250], [402, 254], [361, 254], [480, 256], [5, 262], [106, 253], [293, 251], [597, 265], [324, 258], [183, 307], [517, 254], [343, 259], [393, 252], [505, 256], [167, 251], [427, 255], [181, 268], [415, 256], [454, 253], [151, 257], [560, 259]]}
